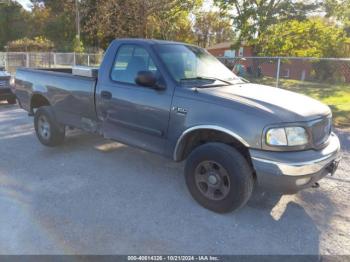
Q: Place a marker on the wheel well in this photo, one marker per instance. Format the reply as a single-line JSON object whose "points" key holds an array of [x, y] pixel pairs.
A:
{"points": [[200, 137], [38, 101]]}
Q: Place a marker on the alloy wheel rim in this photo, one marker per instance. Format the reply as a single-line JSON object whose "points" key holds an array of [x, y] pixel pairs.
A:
{"points": [[44, 127]]}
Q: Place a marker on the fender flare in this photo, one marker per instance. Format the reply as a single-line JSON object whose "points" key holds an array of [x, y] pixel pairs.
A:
{"points": [[202, 127], [37, 93]]}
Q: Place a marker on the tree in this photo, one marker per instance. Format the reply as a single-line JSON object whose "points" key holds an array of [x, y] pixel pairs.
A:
{"points": [[13, 22], [340, 10], [92, 33], [253, 17], [315, 37], [211, 27], [173, 22], [166, 12], [39, 18], [110, 19], [78, 45], [55, 19]]}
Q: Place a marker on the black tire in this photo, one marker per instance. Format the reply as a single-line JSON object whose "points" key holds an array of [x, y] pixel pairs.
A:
{"points": [[11, 101], [56, 133], [237, 179]]}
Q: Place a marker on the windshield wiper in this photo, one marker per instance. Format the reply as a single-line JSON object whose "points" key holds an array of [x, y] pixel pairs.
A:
{"points": [[205, 78], [244, 80]]}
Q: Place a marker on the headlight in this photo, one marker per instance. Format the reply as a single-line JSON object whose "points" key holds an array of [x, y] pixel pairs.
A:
{"points": [[12, 81], [296, 136], [287, 136], [276, 137]]}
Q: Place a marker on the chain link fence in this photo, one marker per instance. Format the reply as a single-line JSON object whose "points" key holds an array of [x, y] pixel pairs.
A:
{"points": [[12, 60], [325, 79]]}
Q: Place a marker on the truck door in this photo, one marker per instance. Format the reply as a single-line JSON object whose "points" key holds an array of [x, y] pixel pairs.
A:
{"points": [[133, 114]]}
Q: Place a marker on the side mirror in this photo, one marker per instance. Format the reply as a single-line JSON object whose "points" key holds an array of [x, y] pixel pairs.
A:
{"points": [[148, 79]]}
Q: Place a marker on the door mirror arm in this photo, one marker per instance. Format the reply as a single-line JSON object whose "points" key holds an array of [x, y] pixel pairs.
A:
{"points": [[159, 86]]}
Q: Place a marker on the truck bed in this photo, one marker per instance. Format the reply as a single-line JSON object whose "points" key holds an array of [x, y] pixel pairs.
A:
{"points": [[72, 96]]}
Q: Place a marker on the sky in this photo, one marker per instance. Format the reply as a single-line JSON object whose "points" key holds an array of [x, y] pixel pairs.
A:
{"points": [[25, 3], [207, 4]]}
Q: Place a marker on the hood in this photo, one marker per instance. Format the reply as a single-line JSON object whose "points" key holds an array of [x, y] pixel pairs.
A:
{"points": [[286, 105], [4, 74]]}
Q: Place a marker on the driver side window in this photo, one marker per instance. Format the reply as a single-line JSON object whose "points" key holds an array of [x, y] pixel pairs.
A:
{"points": [[130, 60]]}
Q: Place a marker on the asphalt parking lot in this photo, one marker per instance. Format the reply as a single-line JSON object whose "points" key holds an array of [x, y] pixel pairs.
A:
{"points": [[95, 196]]}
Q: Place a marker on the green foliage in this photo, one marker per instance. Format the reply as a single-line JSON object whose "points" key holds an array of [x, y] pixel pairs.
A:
{"points": [[310, 38], [164, 19], [253, 17], [340, 10], [315, 37], [212, 27], [40, 43], [55, 19], [13, 23], [78, 45], [113, 19], [172, 22], [273, 27]]}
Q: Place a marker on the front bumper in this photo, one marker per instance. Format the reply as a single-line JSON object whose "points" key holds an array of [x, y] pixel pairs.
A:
{"points": [[290, 172]]}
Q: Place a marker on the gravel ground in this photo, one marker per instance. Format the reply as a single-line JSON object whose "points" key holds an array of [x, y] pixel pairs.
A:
{"points": [[94, 196]]}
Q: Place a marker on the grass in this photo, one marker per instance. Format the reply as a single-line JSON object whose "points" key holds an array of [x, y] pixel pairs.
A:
{"points": [[337, 96]]}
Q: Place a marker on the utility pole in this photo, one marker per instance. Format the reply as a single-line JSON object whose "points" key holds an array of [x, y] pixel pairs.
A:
{"points": [[77, 18]]}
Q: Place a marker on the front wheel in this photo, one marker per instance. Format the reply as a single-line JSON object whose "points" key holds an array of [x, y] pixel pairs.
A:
{"points": [[219, 177], [48, 131]]}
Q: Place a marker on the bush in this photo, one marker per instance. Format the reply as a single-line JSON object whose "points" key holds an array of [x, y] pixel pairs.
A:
{"points": [[38, 44], [78, 46]]}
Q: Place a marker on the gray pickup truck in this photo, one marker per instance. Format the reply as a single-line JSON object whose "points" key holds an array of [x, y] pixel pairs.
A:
{"points": [[178, 101]]}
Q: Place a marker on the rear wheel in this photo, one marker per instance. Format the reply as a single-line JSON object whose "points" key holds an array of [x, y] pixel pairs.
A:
{"points": [[48, 131], [218, 177]]}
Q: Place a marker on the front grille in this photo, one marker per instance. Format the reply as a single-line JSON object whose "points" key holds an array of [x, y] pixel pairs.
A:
{"points": [[4, 83], [321, 131]]}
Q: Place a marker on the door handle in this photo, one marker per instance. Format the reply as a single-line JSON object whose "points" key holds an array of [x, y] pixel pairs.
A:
{"points": [[106, 95]]}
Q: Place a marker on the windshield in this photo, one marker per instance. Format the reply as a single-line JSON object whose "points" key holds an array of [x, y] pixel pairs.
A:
{"points": [[194, 65]]}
